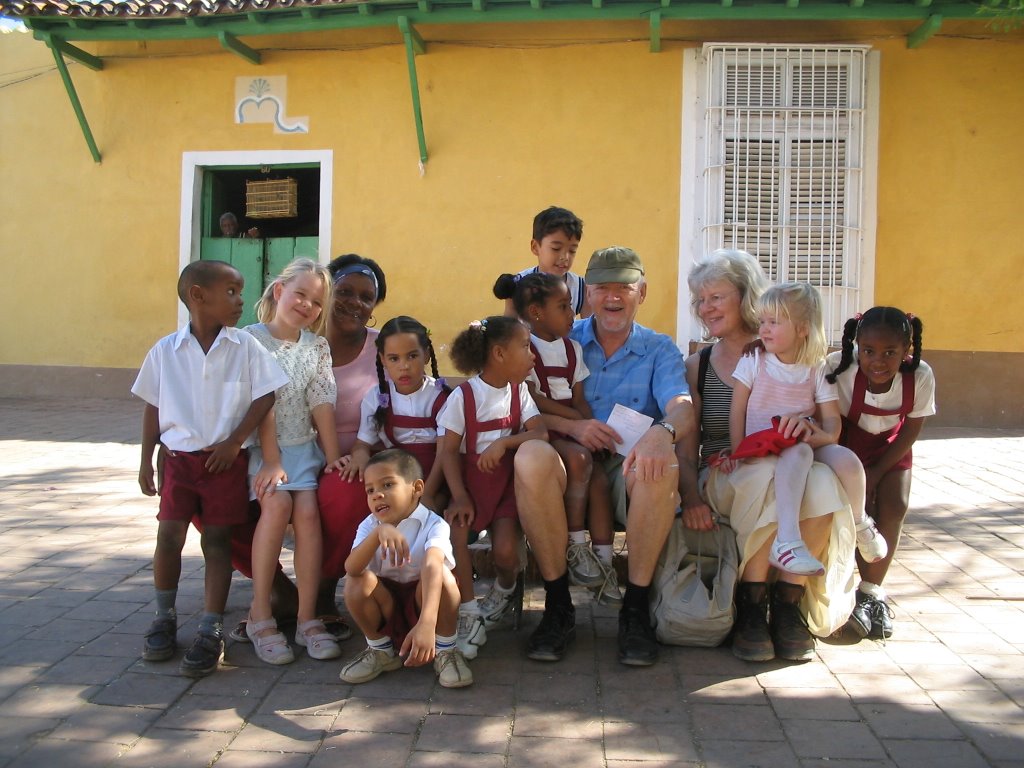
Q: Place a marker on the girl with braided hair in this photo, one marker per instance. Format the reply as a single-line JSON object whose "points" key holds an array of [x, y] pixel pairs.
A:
{"points": [[884, 400], [401, 411]]}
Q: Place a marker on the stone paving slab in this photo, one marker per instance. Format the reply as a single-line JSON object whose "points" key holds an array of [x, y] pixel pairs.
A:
{"points": [[76, 539]]}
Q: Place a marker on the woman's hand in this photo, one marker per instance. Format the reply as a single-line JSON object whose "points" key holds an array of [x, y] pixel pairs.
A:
{"points": [[797, 426], [267, 479], [350, 469], [698, 517]]}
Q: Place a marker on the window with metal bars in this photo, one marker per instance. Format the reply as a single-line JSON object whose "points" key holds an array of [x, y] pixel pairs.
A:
{"points": [[782, 163]]}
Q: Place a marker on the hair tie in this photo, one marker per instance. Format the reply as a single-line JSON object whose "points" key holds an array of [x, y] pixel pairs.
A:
{"points": [[383, 400], [858, 317], [516, 278], [439, 383], [479, 324], [910, 316]]}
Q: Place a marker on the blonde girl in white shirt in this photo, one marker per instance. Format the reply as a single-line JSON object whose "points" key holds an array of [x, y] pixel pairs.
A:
{"points": [[285, 467], [788, 381]]}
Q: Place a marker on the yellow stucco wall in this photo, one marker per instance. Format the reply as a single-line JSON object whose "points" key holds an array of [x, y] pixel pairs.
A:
{"points": [[91, 251], [950, 186]]}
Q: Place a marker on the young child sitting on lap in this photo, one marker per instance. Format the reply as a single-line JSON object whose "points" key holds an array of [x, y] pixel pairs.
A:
{"points": [[399, 585], [206, 388]]}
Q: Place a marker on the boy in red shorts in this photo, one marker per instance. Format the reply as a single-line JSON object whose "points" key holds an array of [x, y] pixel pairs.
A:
{"points": [[399, 585], [207, 387]]}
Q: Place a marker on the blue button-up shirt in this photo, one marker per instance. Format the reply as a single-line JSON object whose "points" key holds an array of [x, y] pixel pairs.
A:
{"points": [[644, 374]]}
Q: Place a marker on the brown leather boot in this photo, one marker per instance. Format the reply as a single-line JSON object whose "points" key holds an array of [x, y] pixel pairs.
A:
{"points": [[751, 640], [790, 635]]}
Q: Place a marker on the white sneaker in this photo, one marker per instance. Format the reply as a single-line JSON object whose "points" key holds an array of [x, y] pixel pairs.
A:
{"points": [[585, 570], [608, 592], [495, 606], [471, 634], [368, 665], [452, 669], [870, 543], [793, 557]]}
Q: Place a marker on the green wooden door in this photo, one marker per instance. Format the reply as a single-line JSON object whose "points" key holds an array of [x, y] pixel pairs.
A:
{"points": [[258, 260]]}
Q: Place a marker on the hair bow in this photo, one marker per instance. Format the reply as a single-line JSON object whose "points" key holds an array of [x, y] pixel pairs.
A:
{"points": [[439, 383], [383, 400]]}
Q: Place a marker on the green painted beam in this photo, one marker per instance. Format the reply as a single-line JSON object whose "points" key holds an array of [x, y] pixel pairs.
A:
{"points": [[231, 43], [930, 26], [425, 5], [414, 85], [537, 4], [76, 105], [655, 31], [922, 3], [77, 54], [419, 47], [726, 3], [292, 21], [856, 3]]}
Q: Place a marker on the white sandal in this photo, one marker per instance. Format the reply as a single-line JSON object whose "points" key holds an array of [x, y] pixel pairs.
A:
{"points": [[319, 645], [272, 649]]}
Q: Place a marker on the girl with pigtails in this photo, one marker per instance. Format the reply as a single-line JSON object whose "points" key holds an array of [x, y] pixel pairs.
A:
{"points": [[885, 393], [401, 412], [485, 421]]}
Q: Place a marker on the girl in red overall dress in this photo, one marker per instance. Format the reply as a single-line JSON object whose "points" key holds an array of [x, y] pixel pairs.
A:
{"points": [[884, 399], [402, 411], [543, 302], [485, 420]]}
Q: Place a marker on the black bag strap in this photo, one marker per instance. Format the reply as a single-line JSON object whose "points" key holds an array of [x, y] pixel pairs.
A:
{"points": [[702, 368]]}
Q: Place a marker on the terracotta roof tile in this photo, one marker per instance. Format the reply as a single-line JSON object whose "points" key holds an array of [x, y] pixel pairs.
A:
{"points": [[149, 8]]}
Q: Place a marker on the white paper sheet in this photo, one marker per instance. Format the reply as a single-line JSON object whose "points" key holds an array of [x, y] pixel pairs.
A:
{"points": [[630, 425]]}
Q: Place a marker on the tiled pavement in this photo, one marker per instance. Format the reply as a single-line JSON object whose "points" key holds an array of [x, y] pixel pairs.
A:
{"points": [[76, 538]]}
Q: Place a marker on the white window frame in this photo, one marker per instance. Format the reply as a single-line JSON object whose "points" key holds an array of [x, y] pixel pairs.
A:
{"points": [[702, 205], [194, 165]]}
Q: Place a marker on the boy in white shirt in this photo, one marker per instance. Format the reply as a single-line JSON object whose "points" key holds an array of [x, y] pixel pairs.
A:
{"points": [[207, 387], [399, 585]]}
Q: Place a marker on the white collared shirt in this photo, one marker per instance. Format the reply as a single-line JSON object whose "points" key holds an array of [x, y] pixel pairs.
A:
{"points": [[419, 403], [491, 403], [423, 530], [552, 354], [203, 397]]}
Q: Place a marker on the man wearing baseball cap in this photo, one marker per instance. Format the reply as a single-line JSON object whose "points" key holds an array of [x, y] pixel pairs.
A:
{"points": [[639, 368]]}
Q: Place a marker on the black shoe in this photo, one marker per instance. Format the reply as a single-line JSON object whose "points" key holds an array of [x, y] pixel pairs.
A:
{"points": [[860, 620], [637, 645], [871, 617], [751, 640], [556, 630], [161, 640], [790, 636], [205, 654], [881, 620]]}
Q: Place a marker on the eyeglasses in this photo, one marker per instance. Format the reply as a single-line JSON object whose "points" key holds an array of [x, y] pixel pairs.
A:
{"points": [[715, 299]]}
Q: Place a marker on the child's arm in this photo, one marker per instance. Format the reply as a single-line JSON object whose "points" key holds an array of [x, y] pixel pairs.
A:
{"points": [[150, 437], [393, 547], [270, 473], [323, 420], [433, 484], [223, 454], [738, 413], [535, 430], [579, 401], [418, 647], [460, 510], [353, 468], [897, 449], [548, 406]]}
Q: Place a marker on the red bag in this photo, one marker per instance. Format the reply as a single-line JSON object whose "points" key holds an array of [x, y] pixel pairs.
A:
{"points": [[763, 443]]}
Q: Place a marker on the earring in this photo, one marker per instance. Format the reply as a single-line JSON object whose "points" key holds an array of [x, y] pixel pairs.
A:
{"points": [[372, 322]]}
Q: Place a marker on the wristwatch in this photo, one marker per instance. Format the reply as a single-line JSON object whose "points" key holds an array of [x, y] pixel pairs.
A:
{"points": [[671, 430]]}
